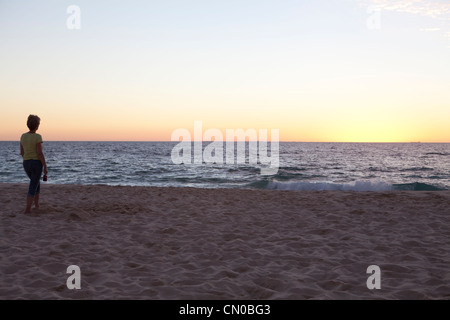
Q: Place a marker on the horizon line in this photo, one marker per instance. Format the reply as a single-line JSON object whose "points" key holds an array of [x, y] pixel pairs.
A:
{"points": [[285, 141]]}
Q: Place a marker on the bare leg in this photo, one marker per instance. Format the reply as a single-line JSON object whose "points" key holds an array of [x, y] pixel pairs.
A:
{"points": [[29, 203], [36, 201]]}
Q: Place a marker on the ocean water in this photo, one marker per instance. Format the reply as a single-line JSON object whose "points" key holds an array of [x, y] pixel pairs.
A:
{"points": [[302, 166]]}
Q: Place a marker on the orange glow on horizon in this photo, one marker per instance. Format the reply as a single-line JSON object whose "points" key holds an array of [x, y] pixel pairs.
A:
{"points": [[357, 133]]}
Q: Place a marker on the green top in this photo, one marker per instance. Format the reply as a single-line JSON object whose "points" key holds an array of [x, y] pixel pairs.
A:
{"points": [[29, 141]]}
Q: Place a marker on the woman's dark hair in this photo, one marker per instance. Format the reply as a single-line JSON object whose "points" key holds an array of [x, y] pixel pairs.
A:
{"points": [[33, 122]]}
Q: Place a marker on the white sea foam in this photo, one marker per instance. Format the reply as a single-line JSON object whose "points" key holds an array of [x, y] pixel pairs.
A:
{"points": [[319, 186]]}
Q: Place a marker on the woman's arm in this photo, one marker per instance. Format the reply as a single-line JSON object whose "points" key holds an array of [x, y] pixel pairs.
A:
{"points": [[41, 156], [22, 152]]}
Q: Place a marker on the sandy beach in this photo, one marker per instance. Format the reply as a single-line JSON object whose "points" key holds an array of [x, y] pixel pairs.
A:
{"points": [[186, 243]]}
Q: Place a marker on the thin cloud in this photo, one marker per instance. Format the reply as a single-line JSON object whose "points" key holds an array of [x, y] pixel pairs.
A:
{"points": [[432, 9], [430, 29], [437, 10]]}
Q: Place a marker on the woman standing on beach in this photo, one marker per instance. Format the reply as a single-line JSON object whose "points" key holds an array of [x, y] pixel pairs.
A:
{"points": [[33, 160]]}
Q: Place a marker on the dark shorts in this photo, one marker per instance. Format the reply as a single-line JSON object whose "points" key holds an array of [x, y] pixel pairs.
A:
{"points": [[33, 169]]}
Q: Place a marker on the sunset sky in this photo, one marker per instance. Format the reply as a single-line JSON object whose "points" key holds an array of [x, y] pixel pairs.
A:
{"points": [[322, 70]]}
